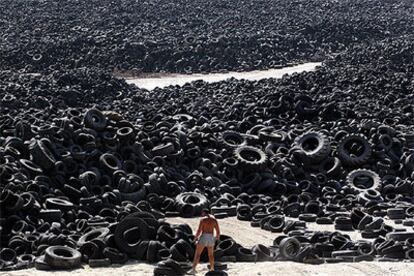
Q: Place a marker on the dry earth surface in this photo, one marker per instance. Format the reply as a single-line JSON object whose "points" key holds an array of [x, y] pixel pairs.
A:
{"points": [[162, 80]]}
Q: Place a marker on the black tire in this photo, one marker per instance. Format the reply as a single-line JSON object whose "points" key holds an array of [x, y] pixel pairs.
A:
{"points": [[8, 255], [164, 271], [171, 265], [367, 219], [58, 203], [182, 251], [250, 158], [94, 119], [362, 180], [245, 255], [141, 250], [262, 252], [191, 204], [313, 146], [115, 255], [163, 149], [99, 262], [229, 211], [152, 251], [109, 162], [42, 155], [27, 259], [98, 233], [332, 166], [129, 233], [228, 246], [289, 248], [167, 235], [40, 264], [62, 257], [276, 223], [88, 250], [232, 139], [354, 150]]}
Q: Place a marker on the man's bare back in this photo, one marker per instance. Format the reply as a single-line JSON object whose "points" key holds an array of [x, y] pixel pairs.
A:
{"points": [[208, 224], [205, 238]]}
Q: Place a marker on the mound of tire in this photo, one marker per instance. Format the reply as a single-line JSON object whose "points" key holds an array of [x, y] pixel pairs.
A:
{"points": [[90, 166]]}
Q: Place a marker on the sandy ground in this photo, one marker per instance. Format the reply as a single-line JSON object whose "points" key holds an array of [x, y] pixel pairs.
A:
{"points": [[248, 236], [163, 80]]}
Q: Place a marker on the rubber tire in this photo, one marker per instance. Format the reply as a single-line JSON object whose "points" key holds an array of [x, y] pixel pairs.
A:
{"points": [[289, 248], [317, 155], [363, 172], [58, 261], [358, 160]]}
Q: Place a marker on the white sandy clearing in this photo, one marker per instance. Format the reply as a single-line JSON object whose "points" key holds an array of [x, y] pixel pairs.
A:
{"points": [[164, 80], [248, 236]]}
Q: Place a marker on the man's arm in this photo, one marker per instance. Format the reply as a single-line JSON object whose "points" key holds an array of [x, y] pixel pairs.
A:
{"points": [[200, 228], [216, 226]]}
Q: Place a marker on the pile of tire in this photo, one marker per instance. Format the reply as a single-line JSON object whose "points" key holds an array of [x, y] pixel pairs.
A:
{"points": [[334, 146], [180, 37]]}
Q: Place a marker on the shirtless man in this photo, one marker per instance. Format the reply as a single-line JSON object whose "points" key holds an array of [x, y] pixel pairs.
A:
{"points": [[205, 238]]}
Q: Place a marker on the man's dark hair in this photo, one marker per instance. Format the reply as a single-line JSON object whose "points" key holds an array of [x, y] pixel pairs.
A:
{"points": [[205, 211]]}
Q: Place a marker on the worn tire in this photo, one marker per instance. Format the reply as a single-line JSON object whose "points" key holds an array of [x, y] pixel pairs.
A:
{"points": [[313, 146], [360, 144], [62, 257], [370, 180]]}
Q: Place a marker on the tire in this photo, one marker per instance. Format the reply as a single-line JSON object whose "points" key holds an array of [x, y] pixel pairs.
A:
{"points": [[228, 246], [152, 251], [229, 211], [289, 248], [99, 262], [191, 204], [62, 257], [171, 265], [98, 233], [164, 271], [250, 158], [141, 250], [262, 252], [134, 197], [42, 155], [182, 251], [244, 212], [167, 235], [115, 256], [27, 259], [343, 223], [8, 255], [332, 166], [95, 120], [367, 219], [232, 139], [109, 162], [140, 231], [40, 264], [58, 203], [163, 149], [370, 180], [362, 146], [313, 146], [245, 255], [276, 223]]}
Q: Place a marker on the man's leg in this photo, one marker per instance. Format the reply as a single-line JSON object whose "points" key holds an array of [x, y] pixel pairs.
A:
{"points": [[197, 254], [210, 250]]}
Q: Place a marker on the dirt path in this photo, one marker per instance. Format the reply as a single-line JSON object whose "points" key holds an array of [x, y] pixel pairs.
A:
{"points": [[163, 80]]}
